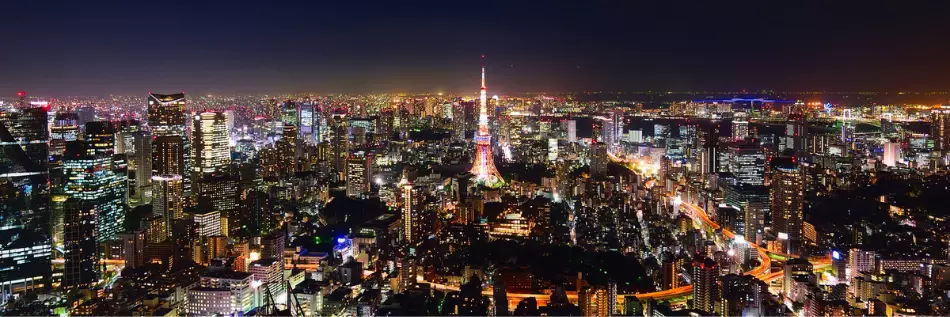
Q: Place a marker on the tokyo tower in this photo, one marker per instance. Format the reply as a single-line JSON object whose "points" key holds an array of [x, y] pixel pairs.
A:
{"points": [[484, 166]]}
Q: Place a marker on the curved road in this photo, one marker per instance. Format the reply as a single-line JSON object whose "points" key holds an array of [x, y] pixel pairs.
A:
{"points": [[760, 272]]}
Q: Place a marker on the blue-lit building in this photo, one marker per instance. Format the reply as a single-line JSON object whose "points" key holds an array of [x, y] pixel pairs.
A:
{"points": [[92, 179], [25, 246]]}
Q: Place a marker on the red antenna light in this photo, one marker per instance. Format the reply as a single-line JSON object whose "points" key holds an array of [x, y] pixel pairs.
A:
{"points": [[21, 94]]}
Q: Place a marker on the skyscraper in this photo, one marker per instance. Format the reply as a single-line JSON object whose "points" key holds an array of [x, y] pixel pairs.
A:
{"points": [[91, 178], [219, 192], [140, 164], [25, 193], [940, 129], [598, 158], [787, 200], [705, 284], [747, 162], [166, 117], [484, 165], [212, 151], [359, 171], [167, 198], [740, 126], [65, 128], [166, 114], [571, 131], [100, 137], [168, 155], [81, 248]]}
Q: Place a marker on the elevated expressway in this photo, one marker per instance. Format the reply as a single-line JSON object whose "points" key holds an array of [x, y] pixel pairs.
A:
{"points": [[675, 295]]}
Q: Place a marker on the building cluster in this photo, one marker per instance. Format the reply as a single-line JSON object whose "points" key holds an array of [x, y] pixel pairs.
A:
{"points": [[436, 205]]}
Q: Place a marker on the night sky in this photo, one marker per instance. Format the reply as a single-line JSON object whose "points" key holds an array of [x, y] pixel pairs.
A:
{"points": [[129, 47]]}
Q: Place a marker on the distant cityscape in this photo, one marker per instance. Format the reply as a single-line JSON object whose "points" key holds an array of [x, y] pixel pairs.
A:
{"points": [[651, 204]]}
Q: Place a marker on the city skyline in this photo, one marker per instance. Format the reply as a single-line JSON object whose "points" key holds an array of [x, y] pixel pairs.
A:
{"points": [[611, 160], [254, 48]]}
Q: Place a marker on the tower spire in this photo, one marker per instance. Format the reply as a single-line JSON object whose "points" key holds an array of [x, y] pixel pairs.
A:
{"points": [[483, 72], [484, 167]]}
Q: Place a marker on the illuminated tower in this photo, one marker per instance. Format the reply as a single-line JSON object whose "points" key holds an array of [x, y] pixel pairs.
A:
{"points": [[484, 166]]}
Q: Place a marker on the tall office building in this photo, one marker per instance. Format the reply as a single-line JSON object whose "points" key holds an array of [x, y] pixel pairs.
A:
{"points": [[168, 155], [100, 137], [133, 247], [210, 138], [81, 248], [740, 126], [167, 198], [65, 128], [787, 200], [92, 178], [340, 143], [166, 118], [671, 273], [166, 114], [408, 211], [571, 131], [140, 164], [598, 158], [218, 192], [359, 171], [705, 284], [940, 129], [25, 246], [797, 132], [747, 162], [594, 301]]}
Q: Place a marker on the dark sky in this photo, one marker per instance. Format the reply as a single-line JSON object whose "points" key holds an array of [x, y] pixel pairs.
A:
{"points": [[130, 47]]}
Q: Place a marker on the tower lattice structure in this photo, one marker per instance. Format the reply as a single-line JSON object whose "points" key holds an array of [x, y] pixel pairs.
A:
{"points": [[484, 166]]}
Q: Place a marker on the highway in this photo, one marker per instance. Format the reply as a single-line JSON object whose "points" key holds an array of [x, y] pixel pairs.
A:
{"points": [[761, 271]]}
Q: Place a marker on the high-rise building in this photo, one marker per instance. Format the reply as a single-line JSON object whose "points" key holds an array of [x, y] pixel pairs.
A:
{"points": [[408, 210], [166, 114], [940, 129], [891, 151], [705, 279], [140, 164], [90, 176], [25, 245], [210, 138], [747, 162], [484, 165], [594, 301], [65, 128], [571, 131], [81, 248], [269, 271], [100, 137], [740, 126], [598, 158], [168, 155], [787, 195], [218, 192], [133, 247], [862, 262], [167, 198], [359, 171], [166, 118], [671, 273], [209, 223], [797, 131], [742, 295]]}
